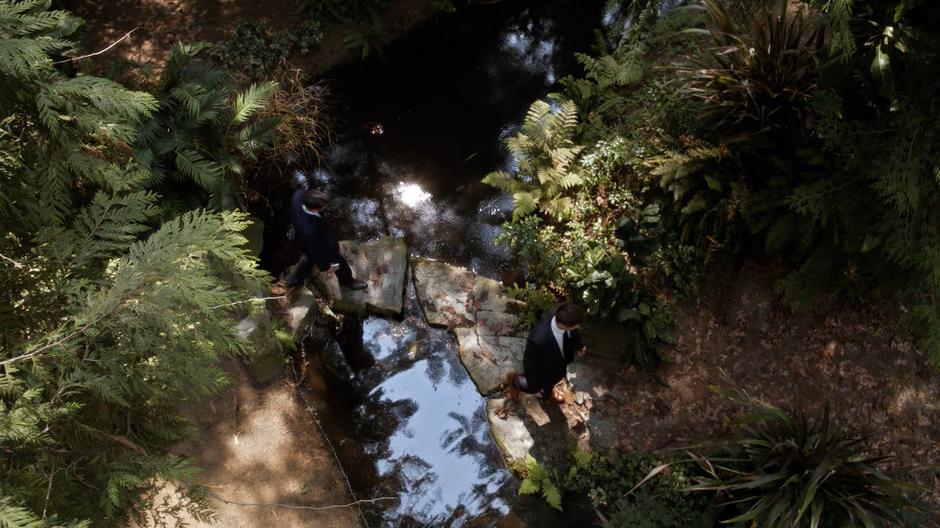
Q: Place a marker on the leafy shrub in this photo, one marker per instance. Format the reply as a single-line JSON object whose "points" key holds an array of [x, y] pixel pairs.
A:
{"points": [[704, 193], [544, 153], [780, 471], [534, 300], [345, 11], [535, 245], [204, 129], [254, 49], [369, 41], [611, 485]]}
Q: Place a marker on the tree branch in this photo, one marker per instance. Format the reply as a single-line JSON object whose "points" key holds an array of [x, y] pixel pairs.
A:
{"points": [[253, 299], [11, 261], [298, 507], [115, 43]]}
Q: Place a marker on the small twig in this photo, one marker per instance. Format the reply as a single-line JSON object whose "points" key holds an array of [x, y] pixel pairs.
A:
{"points": [[115, 43], [298, 507], [43, 348], [253, 299], [11, 261]]}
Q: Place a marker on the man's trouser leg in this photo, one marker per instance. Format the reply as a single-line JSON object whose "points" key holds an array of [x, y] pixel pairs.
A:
{"points": [[300, 272], [344, 273], [522, 383]]}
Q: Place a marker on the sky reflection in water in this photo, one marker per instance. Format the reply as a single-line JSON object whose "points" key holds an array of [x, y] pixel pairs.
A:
{"points": [[439, 449]]}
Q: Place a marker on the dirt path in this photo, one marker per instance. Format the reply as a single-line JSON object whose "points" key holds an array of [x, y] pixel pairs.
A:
{"points": [[261, 446]]}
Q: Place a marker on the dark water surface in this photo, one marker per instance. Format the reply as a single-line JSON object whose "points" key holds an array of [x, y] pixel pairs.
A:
{"points": [[414, 426]]}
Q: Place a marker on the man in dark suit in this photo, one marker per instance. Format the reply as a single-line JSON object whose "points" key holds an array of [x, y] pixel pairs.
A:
{"points": [[551, 346], [318, 245]]}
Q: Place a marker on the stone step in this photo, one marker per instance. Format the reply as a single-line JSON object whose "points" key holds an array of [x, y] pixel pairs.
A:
{"points": [[382, 264], [477, 310]]}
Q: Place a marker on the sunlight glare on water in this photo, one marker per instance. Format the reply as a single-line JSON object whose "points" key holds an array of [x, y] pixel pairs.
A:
{"points": [[411, 194]]}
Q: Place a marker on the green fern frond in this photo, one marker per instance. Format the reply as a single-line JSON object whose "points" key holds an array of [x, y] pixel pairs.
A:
{"points": [[502, 181], [205, 173], [110, 224], [252, 100], [525, 204]]}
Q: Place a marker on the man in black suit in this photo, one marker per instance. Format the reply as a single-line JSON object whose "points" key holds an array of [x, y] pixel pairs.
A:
{"points": [[551, 346], [318, 245]]}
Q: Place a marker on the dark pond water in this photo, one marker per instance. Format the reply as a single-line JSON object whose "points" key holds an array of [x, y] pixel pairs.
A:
{"points": [[414, 426]]}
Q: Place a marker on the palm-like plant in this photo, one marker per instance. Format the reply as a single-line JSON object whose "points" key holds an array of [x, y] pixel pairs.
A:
{"points": [[789, 472], [544, 153], [204, 130], [763, 68]]}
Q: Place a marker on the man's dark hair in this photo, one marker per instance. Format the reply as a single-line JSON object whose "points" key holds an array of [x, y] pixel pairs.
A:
{"points": [[315, 199], [569, 314]]}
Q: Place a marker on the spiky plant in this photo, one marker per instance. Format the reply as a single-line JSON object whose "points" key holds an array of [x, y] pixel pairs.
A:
{"points": [[204, 130], [544, 153], [794, 472], [762, 70]]}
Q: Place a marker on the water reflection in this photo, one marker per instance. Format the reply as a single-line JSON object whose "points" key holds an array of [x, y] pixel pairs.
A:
{"points": [[422, 423], [411, 194], [442, 453]]}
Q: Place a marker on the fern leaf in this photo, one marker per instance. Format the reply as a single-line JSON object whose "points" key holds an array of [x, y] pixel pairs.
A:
{"points": [[251, 101], [551, 494], [502, 181], [528, 487], [525, 204], [204, 172]]}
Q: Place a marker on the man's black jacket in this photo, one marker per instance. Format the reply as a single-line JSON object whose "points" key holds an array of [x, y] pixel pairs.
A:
{"points": [[545, 365], [312, 234]]}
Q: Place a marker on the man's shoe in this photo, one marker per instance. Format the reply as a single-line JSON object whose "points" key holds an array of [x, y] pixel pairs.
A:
{"points": [[356, 285]]}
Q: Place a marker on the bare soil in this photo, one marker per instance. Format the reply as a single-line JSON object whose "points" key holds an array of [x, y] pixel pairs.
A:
{"points": [[739, 336], [259, 448]]}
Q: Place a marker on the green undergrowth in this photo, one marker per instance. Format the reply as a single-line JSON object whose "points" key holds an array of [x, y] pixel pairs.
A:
{"points": [[611, 485], [255, 49]]}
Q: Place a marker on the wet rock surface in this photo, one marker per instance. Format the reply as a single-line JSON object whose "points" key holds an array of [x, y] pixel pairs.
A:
{"points": [[301, 312], [265, 362], [382, 264], [491, 341], [489, 338]]}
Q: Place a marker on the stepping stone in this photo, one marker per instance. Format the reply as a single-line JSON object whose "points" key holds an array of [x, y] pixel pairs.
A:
{"points": [[489, 338], [301, 313], [490, 349], [451, 296], [382, 265], [533, 426], [445, 292], [265, 363]]}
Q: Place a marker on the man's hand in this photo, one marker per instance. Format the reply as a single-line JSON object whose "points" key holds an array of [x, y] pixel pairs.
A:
{"points": [[582, 352]]}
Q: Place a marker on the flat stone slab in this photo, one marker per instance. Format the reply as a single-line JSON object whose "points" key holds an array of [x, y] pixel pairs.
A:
{"points": [[451, 296], [490, 339], [382, 264], [534, 426], [301, 312], [445, 292], [265, 362], [490, 349]]}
